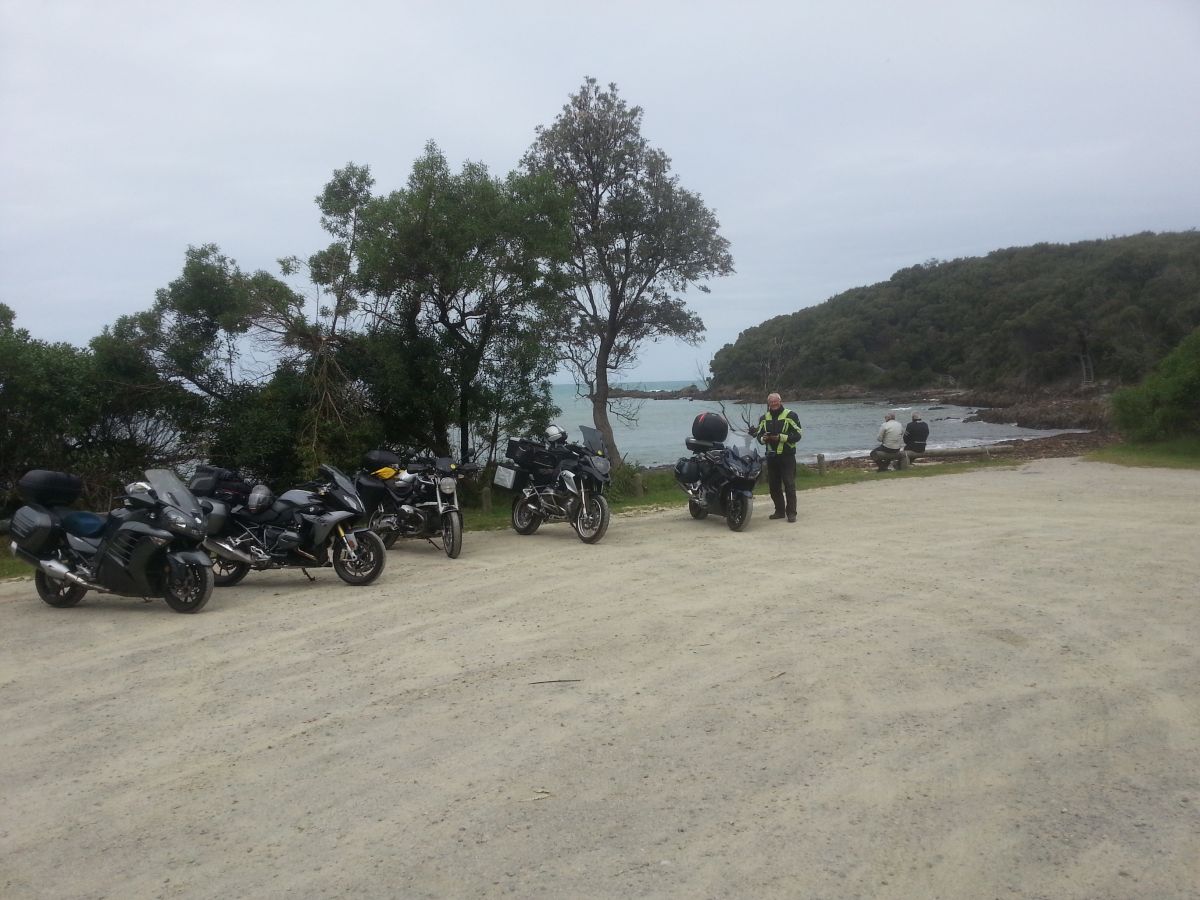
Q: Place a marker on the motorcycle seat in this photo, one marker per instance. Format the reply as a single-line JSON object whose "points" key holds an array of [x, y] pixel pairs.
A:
{"points": [[698, 446], [83, 524]]}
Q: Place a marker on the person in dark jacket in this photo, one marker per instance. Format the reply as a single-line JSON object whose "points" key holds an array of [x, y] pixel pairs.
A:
{"points": [[779, 430], [916, 433]]}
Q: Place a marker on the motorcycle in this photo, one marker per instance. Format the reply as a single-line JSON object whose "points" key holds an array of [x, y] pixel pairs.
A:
{"points": [[306, 527], [418, 501], [716, 477], [557, 481], [147, 547]]}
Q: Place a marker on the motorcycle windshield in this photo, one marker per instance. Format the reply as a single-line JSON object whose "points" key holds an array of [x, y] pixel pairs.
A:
{"points": [[593, 440], [172, 491], [344, 485]]}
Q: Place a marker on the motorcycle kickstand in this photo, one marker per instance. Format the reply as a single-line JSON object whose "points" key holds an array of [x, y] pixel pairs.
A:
{"points": [[306, 575]]}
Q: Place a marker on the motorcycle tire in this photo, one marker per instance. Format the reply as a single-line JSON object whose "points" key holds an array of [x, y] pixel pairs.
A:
{"points": [[525, 517], [59, 594], [452, 527], [368, 562], [189, 593], [227, 572], [697, 511], [591, 521], [738, 509]]}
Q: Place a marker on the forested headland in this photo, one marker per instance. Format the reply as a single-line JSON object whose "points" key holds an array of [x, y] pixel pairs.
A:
{"points": [[1019, 319]]}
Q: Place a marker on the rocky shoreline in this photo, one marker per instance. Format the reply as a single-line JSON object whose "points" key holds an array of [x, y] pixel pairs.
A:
{"points": [[1052, 407]]}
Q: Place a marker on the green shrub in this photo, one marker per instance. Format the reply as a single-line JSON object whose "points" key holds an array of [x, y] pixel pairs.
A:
{"points": [[1167, 404]]}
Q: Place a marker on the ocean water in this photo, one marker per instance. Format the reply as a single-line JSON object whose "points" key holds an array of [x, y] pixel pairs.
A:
{"points": [[837, 429]]}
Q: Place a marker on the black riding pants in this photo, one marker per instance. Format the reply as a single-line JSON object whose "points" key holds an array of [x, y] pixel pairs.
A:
{"points": [[781, 476]]}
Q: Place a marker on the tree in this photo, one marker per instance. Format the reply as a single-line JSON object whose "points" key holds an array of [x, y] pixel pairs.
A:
{"points": [[467, 259], [638, 240]]}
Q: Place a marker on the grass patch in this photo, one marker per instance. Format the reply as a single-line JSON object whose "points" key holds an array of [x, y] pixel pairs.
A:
{"points": [[1181, 453], [10, 566]]}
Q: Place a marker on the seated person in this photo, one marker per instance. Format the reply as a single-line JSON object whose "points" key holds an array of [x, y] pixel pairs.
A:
{"points": [[890, 437], [916, 433]]}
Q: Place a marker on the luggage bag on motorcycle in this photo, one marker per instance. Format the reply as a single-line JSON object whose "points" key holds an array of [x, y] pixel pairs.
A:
{"points": [[47, 488], [687, 470], [32, 529], [374, 460], [509, 477], [529, 454], [213, 481], [710, 426]]}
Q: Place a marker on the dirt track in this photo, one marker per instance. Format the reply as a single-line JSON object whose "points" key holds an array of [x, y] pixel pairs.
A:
{"points": [[980, 685]]}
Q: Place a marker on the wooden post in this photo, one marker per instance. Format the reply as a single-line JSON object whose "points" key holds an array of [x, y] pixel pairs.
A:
{"points": [[820, 463], [485, 499], [639, 488]]}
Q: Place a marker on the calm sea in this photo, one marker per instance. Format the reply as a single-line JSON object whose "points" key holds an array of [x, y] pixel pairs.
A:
{"points": [[836, 429]]}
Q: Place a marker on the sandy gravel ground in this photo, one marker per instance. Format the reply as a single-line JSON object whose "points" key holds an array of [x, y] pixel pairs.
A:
{"points": [[981, 685]]}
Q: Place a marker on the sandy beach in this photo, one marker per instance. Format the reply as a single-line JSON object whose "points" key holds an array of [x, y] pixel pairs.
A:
{"points": [[980, 685]]}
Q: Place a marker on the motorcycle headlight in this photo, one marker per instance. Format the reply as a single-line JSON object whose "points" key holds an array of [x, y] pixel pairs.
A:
{"points": [[446, 485], [602, 465], [181, 523]]}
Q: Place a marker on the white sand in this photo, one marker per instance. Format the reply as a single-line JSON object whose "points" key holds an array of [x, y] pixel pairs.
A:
{"points": [[981, 685]]}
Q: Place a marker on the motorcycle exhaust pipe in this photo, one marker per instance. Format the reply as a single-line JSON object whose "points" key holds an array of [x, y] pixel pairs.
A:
{"points": [[60, 572], [227, 552]]}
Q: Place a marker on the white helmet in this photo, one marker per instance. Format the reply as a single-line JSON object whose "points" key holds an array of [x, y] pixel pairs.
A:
{"points": [[554, 434]]}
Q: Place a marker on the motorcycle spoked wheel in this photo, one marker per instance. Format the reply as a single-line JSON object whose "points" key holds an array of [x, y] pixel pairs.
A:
{"points": [[367, 563], [59, 594], [189, 591], [738, 509], [228, 572], [525, 517], [452, 528], [697, 511], [592, 518]]}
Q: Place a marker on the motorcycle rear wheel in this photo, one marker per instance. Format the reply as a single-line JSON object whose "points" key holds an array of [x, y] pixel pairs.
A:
{"points": [[367, 564], [525, 517], [591, 520], [59, 594], [738, 509], [189, 593], [697, 511], [228, 572], [452, 527]]}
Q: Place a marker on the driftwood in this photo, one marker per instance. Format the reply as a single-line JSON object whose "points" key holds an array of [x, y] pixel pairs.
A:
{"points": [[906, 458]]}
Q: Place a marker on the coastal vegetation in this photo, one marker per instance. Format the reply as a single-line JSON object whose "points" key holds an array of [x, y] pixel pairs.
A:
{"points": [[1103, 311]]}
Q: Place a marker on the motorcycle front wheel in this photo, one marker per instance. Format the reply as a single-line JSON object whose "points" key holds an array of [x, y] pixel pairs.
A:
{"points": [[697, 511], [188, 591], [591, 520], [367, 563], [525, 517], [59, 594], [738, 509], [452, 526], [228, 572]]}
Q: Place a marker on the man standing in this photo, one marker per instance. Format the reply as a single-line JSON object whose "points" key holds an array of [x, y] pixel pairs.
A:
{"points": [[916, 433], [779, 430], [890, 437]]}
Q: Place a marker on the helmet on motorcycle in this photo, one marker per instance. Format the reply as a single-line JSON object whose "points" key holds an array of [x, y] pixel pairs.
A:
{"points": [[260, 498], [555, 435], [138, 487]]}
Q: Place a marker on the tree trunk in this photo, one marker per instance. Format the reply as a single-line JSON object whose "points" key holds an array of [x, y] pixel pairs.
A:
{"points": [[600, 408]]}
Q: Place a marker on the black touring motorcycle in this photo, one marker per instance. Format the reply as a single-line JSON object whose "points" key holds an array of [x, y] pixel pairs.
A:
{"points": [[559, 482], [717, 478], [420, 500], [305, 528], [148, 547]]}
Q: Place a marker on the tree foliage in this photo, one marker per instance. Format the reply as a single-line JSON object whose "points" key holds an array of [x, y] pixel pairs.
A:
{"points": [[1020, 317], [638, 241], [1167, 403]]}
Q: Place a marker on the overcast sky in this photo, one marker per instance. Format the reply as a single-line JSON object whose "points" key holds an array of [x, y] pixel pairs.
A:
{"points": [[836, 141]]}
